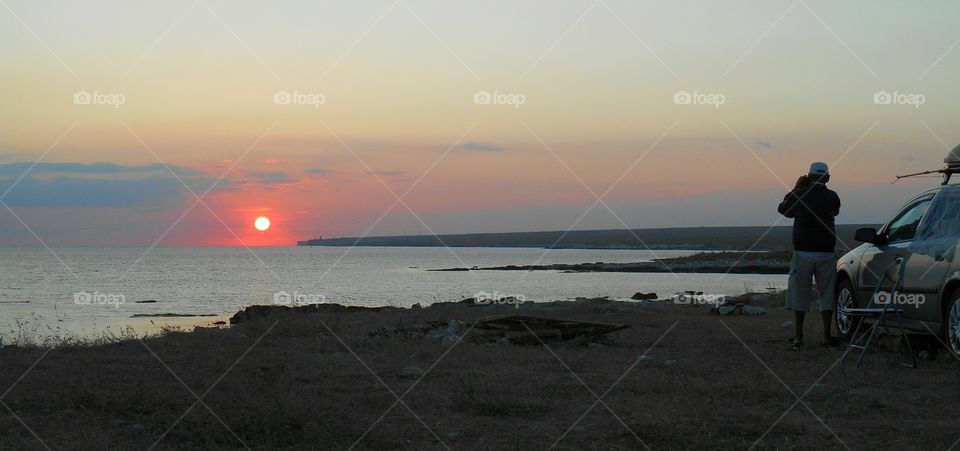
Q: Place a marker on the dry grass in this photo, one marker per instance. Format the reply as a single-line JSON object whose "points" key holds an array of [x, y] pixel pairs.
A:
{"points": [[300, 387]]}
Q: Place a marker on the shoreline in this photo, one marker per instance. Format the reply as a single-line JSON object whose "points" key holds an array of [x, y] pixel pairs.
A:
{"points": [[743, 262], [288, 377]]}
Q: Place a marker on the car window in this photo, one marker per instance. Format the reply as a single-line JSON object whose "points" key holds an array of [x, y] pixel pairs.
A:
{"points": [[905, 225]]}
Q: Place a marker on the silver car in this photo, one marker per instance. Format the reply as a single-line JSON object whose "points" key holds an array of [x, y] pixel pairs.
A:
{"points": [[930, 287]]}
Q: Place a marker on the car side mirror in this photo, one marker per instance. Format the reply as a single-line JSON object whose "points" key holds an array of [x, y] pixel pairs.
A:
{"points": [[867, 235]]}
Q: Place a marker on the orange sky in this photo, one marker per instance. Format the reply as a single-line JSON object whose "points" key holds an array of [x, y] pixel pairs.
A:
{"points": [[495, 117]]}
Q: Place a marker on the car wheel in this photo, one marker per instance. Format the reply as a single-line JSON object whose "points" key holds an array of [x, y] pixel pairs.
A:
{"points": [[846, 324], [951, 324]]}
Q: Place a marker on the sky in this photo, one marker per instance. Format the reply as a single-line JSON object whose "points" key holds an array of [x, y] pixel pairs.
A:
{"points": [[181, 122]]}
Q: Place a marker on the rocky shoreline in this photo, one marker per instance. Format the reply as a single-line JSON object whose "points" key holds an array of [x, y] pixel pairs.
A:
{"points": [[507, 376], [771, 262]]}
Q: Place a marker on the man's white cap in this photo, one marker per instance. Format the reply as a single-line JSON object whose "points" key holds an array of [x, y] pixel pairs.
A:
{"points": [[819, 168]]}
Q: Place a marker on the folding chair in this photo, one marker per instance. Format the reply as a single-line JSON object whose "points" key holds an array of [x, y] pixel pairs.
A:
{"points": [[879, 313]]}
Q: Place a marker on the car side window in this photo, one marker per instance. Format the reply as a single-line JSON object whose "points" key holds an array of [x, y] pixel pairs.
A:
{"points": [[904, 227]]}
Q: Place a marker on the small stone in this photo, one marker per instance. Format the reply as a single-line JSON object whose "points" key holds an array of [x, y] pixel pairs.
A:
{"points": [[641, 296], [644, 357], [726, 309], [748, 309], [411, 372], [669, 362], [787, 324]]}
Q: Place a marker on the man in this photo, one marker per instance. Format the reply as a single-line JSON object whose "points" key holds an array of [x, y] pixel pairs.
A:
{"points": [[813, 208]]}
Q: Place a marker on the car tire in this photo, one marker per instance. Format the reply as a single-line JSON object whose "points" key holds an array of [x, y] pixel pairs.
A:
{"points": [[846, 297], [950, 329]]}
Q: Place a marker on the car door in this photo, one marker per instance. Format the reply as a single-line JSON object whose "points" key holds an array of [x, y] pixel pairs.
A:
{"points": [[924, 277], [892, 242]]}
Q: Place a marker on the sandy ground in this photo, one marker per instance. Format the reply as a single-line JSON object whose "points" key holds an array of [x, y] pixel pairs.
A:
{"points": [[336, 378]]}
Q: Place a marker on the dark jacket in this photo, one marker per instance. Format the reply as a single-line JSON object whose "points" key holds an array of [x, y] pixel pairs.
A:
{"points": [[813, 209]]}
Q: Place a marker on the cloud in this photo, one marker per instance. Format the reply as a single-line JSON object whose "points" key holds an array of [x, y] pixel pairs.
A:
{"points": [[99, 185], [318, 171], [16, 169], [480, 147], [71, 192], [765, 145], [387, 173], [272, 178]]}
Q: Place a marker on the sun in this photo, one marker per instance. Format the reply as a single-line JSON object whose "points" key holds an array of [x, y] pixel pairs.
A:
{"points": [[262, 223]]}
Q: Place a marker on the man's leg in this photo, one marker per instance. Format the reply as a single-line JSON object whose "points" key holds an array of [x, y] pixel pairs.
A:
{"points": [[798, 325], [827, 284], [799, 293]]}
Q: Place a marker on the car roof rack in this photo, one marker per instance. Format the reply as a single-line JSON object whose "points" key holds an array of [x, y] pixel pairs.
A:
{"points": [[952, 167]]}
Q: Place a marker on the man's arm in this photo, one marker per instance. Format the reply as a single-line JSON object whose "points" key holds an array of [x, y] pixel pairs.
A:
{"points": [[789, 205], [836, 203]]}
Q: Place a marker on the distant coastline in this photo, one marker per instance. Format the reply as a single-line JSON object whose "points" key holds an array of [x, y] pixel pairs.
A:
{"points": [[759, 238]]}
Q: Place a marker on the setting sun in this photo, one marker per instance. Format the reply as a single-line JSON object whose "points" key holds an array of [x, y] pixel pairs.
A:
{"points": [[262, 223]]}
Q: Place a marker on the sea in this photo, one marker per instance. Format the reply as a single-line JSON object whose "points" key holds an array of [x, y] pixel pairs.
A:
{"points": [[90, 292]]}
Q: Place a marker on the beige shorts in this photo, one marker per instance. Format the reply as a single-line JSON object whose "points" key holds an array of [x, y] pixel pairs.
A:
{"points": [[804, 268]]}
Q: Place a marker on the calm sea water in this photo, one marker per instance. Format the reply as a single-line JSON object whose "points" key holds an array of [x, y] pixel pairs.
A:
{"points": [[86, 290]]}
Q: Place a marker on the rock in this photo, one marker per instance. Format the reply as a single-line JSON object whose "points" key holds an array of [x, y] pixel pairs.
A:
{"points": [[748, 309], [641, 296], [410, 372], [450, 333], [170, 315], [726, 309], [220, 323], [256, 312], [787, 324], [416, 306], [644, 357]]}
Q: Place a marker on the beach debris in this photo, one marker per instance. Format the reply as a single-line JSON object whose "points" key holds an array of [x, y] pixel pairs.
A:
{"points": [[641, 296], [411, 372], [726, 309], [748, 309], [510, 329], [787, 324], [739, 308], [451, 332], [526, 329]]}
